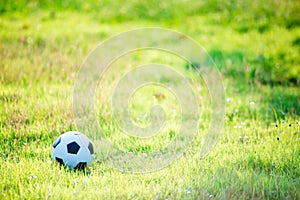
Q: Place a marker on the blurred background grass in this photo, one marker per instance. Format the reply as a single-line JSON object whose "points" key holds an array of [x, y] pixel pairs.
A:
{"points": [[279, 66], [253, 43], [244, 15]]}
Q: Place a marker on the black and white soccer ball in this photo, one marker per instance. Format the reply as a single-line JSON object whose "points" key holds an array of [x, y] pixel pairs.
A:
{"points": [[74, 150]]}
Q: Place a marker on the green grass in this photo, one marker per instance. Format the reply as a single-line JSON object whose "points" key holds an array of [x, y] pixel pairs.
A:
{"points": [[257, 52]]}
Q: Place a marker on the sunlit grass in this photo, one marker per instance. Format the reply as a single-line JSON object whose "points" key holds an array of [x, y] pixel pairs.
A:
{"points": [[258, 156]]}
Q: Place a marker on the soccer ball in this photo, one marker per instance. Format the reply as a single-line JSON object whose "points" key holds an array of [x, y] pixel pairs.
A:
{"points": [[74, 150]]}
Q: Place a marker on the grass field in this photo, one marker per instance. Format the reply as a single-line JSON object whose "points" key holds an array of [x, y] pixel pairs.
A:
{"points": [[256, 47]]}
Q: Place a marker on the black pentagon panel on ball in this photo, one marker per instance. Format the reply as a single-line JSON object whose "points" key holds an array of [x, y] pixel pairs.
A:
{"points": [[73, 148], [81, 166], [91, 148], [56, 142], [60, 161]]}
